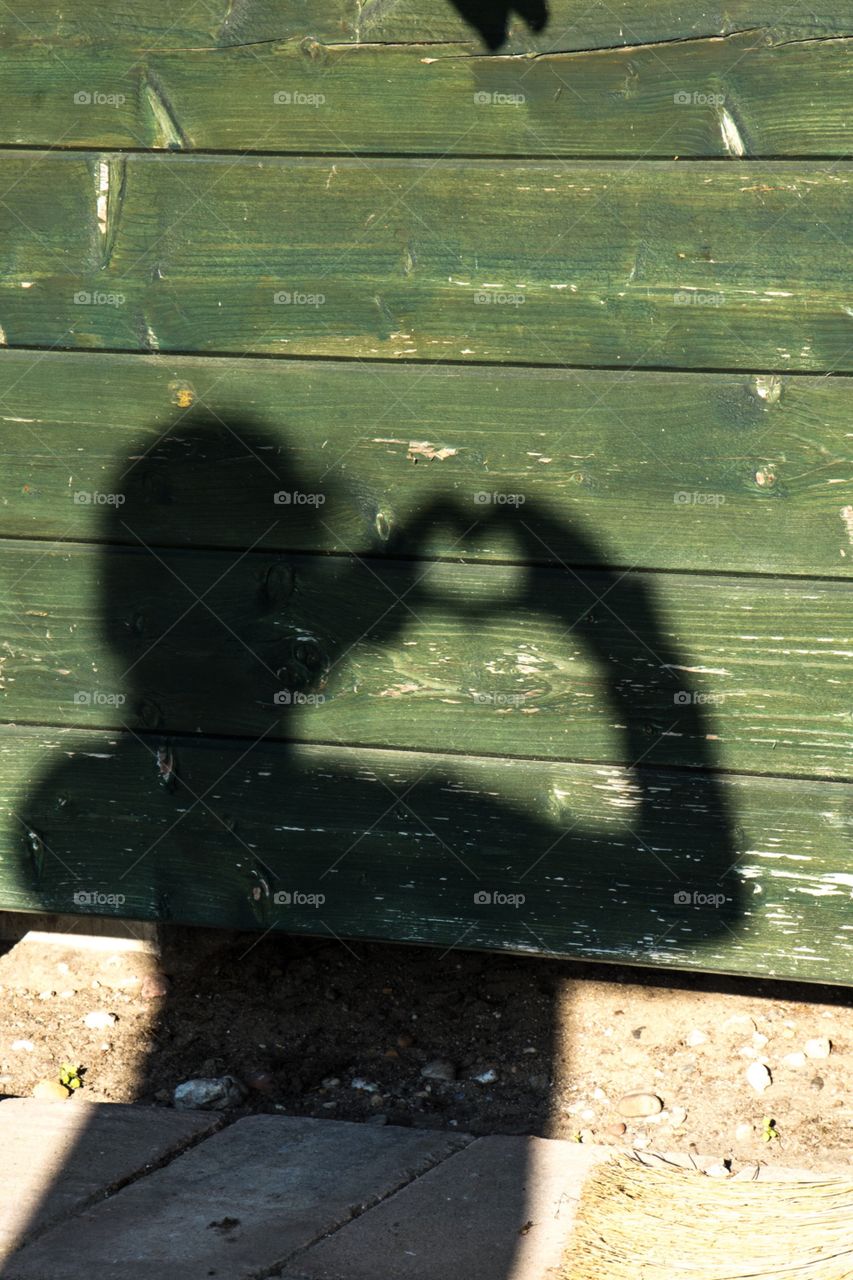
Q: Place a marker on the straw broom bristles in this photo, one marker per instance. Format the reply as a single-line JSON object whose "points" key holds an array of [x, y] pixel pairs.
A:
{"points": [[642, 1222]]}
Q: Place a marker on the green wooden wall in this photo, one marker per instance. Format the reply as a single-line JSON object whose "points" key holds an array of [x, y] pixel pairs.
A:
{"points": [[427, 489]]}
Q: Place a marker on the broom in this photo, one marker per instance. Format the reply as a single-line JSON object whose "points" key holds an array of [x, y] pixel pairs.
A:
{"points": [[642, 1222]]}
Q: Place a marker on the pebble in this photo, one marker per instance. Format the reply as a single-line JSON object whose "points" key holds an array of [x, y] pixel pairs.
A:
{"points": [[488, 1076], [261, 1081], [439, 1070], [820, 1047], [208, 1094], [330, 1082], [718, 1171], [46, 995], [744, 1132], [98, 1020], [794, 1060], [758, 1076], [615, 1130], [364, 1086], [586, 1135], [599, 1095], [25, 1046], [50, 1091], [695, 1037], [677, 1115], [635, 1105], [816, 1083], [154, 986]]}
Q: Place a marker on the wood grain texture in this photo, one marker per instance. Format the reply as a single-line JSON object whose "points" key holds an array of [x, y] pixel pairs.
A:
{"points": [[745, 266], [653, 470], [226, 23], [398, 845], [745, 674], [752, 93]]}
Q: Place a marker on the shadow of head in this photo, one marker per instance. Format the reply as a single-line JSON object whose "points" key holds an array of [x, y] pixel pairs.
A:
{"points": [[491, 20], [195, 601]]}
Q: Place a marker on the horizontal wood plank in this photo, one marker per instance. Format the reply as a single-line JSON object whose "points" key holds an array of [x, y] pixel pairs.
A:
{"points": [[737, 875], [745, 674], [752, 93], [742, 266], [649, 470], [224, 23]]}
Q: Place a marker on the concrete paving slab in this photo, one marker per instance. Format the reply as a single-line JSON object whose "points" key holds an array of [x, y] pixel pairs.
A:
{"points": [[239, 1204], [499, 1210], [58, 1158]]}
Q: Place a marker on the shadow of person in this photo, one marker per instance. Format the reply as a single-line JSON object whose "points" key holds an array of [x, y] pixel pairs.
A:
{"points": [[230, 785], [491, 17]]}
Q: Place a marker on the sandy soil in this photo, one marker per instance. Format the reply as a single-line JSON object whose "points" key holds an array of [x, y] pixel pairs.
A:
{"points": [[324, 1028]]}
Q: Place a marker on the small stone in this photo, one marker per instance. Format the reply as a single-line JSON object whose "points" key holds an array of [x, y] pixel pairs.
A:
{"points": [[641, 1141], [615, 1130], [363, 1086], [98, 1020], [816, 1083], [586, 1135], [599, 1095], [208, 1094], [759, 1040], [695, 1037], [154, 986], [23, 1046], [794, 1060], [744, 1132], [758, 1076], [330, 1082], [46, 995], [261, 1081], [820, 1047], [636, 1105], [50, 1091], [489, 1076], [587, 1114], [718, 1171], [677, 1116], [439, 1070]]}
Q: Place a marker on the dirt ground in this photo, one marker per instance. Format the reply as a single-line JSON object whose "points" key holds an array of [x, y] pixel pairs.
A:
{"points": [[324, 1028]]}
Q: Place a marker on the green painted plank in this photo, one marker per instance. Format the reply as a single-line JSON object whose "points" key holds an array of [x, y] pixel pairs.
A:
{"points": [[745, 674], [649, 470], [744, 94], [403, 846], [690, 266], [159, 24]]}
